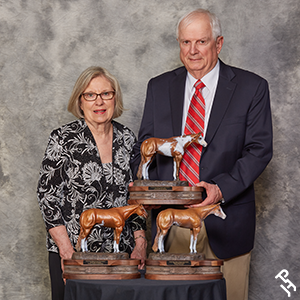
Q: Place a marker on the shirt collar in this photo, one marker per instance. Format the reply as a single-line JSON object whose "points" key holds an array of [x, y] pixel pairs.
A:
{"points": [[210, 79]]}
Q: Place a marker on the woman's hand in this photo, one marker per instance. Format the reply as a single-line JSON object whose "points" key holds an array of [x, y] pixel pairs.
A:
{"points": [[61, 239], [140, 249]]}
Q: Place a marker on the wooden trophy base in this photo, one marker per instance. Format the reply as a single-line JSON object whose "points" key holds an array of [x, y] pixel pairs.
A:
{"points": [[152, 192], [99, 266], [170, 266]]}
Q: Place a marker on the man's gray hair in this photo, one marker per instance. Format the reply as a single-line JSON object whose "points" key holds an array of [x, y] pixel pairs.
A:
{"points": [[189, 17]]}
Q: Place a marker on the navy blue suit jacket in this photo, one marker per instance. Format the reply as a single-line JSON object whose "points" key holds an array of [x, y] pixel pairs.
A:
{"points": [[239, 137]]}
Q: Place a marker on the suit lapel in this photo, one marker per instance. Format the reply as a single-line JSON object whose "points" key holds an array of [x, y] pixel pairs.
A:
{"points": [[177, 87], [224, 93]]}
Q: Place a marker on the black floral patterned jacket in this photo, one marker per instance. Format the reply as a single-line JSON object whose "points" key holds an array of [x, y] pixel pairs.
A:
{"points": [[73, 179]]}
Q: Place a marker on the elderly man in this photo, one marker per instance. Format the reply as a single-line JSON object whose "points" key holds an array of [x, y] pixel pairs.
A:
{"points": [[232, 108]]}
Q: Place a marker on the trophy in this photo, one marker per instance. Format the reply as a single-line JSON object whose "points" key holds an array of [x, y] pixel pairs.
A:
{"points": [[90, 265], [172, 266], [153, 192]]}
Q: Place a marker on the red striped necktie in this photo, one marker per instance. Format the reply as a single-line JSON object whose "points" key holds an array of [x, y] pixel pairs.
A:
{"points": [[189, 168]]}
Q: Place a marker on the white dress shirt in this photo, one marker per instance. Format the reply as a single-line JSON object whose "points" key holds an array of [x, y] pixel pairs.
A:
{"points": [[208, 92]]}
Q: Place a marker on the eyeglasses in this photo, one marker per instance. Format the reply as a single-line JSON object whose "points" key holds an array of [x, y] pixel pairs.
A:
{"points": [[93, 96]]}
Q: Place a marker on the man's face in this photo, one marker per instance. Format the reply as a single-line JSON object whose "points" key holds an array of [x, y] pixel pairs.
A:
{"points": [[198, 49]]}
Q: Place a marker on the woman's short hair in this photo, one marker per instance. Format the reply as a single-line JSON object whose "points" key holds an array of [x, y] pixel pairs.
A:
{"points": [[189, 17], [82, 83]]}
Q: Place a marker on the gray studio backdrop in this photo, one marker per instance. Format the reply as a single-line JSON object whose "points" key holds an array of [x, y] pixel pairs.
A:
{"points": [[46, 44]]}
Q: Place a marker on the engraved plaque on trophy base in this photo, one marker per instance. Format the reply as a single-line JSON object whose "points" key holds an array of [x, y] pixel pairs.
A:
{"points": [[111, 266], [171, 266], [152, 192]]}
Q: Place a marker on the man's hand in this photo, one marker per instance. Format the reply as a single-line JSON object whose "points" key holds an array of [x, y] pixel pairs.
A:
{"points": [[214, 194]]}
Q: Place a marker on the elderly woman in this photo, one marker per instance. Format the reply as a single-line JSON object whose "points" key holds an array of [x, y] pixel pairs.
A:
{"points": [[86, 165]]}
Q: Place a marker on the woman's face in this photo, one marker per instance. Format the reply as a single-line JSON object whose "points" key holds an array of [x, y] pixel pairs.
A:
{"points": [[99, 111]]}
